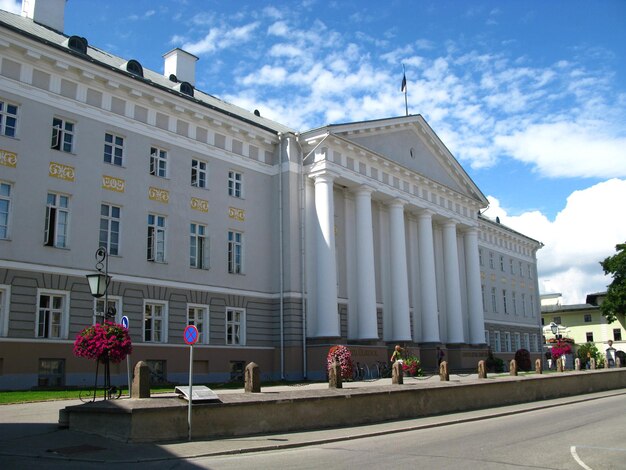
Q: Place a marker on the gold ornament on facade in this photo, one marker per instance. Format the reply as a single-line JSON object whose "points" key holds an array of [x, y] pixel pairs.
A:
{"points": [[159, 195], [113, 184], [198, 204], [237, 214], [8, 158], [60, 171]]}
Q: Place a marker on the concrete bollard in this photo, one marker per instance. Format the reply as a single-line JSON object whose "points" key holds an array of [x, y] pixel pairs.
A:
{"points": [[482, 370], [141, 381], [252, 378], [559, 364], [618, 362], [538, 366], [577, 363], [444, 374], [334, 375], [592, 364], [397, 374], [513, 367]]}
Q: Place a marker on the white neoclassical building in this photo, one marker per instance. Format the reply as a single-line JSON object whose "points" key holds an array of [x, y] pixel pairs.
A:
{"points": [[276, 244]]}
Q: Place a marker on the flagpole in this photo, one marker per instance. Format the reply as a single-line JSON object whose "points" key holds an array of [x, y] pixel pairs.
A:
{"points": [[404, 89]]}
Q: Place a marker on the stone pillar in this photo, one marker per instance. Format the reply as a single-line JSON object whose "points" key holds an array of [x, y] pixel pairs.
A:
{"points": [[399, 275], [592, 364], [428, 288], [618, 362], [141, 381], [397, 374], [538, 366], [452, 284], [577, 363], [326, 295], [513, 367], [365, 272], [482, 370], [474, 289], [252, 378], [334, 375], [444, 374], [559, 364]]}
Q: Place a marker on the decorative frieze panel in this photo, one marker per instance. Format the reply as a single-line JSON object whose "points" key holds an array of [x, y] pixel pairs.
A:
{"points": [[237, 214], [198, 204], [60, 171], [8, 158], [113, 184], [159, 195]]}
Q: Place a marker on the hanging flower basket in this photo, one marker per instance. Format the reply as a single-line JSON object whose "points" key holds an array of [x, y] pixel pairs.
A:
{"points": [[344, 357], [103, 341]]}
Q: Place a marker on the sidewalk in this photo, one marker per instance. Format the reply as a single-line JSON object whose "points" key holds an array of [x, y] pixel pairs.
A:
{"points": [[30, 431]]}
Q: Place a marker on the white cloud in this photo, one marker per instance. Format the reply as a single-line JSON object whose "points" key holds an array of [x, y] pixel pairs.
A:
{"points": [[581, 235], [221, 38]]}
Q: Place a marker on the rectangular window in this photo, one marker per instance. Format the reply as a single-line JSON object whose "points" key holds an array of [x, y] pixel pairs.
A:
{"points": [[154, 322], [51, 373], [557, 320], [497, 347], [110, 228], [51, 315], [532, 306], [507, 341], [487, 337], [8, 119], [480, 257], [587, 318], [235, 326], [482, 293], [517, 340], [511, 264], [156, 238], [113, 310], [617, 334], [5, 297], [501, 263], [198, 315], [235, 246], [526, 341], [57, 220], [62, 135], [491, 259], [521, 269], [198, 174], [514, 302], [530, 272], [113, 149], [198, 246], [524, 311], [5, 209], [534, 345], [506, 310], [235, 184], [589, 336], [494, 306], [158, 162]]}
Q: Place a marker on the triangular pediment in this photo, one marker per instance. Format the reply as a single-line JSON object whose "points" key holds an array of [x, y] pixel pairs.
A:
{"points": [[411, 143]]}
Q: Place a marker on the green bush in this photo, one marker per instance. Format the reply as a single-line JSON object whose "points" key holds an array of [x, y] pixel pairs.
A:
{"points": [[590, 348]]}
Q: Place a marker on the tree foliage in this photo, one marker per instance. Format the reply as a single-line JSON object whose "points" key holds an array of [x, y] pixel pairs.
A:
{"points": [[615, 300]]}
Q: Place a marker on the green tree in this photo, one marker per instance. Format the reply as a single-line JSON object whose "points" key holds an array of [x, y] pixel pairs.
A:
{"points": [[615, 300]]}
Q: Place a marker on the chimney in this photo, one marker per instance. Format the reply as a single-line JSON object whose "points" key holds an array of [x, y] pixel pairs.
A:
{"points": [[50, 13], [182, 64]]}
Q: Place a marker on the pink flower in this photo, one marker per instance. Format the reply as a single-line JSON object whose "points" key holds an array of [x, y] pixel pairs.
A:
{"points": [[102, 341]]}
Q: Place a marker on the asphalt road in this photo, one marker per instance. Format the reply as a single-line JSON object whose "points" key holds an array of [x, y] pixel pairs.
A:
{"points": [[586, 435]]}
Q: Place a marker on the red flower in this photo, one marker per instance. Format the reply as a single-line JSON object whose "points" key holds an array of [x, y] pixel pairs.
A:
{"points": [[102, 341]]}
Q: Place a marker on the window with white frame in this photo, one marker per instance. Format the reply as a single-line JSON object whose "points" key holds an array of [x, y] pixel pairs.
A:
{"points": [[530, 272], [497, 346], [5, 298], [494, 306], [501, 263], [235, 252], [113, 310], [156, 238], [154, 321], [110, 228], [524, 311], [504, 302], [198, 173], [534, 345], [511, 264], [57, 220], [235, 326], [532, 306], [482, 293], [480, 257], [507, 341], [8, 119], [526, 341], [198, 315], [487, 337], [521, 269], [5, 209], [158, 162], [198, 246], [235, 184], [491, 265], [52, 316], [517, 340], [514, 302], [113, 149], [62, 135]]}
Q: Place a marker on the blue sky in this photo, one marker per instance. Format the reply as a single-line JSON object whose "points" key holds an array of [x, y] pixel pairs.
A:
{"points": [[530, 96]]}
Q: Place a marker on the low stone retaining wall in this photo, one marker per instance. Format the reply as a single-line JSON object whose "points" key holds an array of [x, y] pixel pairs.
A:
{"points": [[244, 414]]}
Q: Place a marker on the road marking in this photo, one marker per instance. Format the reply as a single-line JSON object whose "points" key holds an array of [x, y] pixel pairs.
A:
{"points": [[578, 459]]}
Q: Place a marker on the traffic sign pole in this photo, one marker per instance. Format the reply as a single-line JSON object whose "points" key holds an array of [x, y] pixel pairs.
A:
{"points": [[190, 335], [125, 324]]}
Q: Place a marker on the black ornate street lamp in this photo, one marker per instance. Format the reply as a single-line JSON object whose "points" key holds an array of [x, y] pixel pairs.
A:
{"points": [[99, 286]]}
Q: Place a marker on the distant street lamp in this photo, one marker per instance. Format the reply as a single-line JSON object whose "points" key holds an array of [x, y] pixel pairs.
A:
{"points": [[555, 328]]}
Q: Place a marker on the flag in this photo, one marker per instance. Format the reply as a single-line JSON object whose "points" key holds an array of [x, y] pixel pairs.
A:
{"points": [[403, 88]]}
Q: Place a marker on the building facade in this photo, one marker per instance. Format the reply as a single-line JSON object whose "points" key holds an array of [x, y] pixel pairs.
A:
{"points": [[275, 244]]}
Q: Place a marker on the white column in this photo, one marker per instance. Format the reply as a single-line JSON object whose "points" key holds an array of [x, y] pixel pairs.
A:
{"points": [[399, 278], [326, 294], [428, 288], [453, 284], [474, 296], [366, 284]]}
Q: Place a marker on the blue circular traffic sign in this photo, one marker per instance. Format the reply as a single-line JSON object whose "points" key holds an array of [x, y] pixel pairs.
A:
{"points": [[125, 321], [190, 335]]}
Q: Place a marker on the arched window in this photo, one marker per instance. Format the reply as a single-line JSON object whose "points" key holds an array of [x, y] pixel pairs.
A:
{"points": [[186, 88], [78, 44], [134, 67]]}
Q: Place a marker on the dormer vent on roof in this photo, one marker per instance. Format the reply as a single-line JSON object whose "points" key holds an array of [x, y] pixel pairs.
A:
{"points": [[182, 64], [77, 44], [49, 13], [134, 67], [186, 88]]}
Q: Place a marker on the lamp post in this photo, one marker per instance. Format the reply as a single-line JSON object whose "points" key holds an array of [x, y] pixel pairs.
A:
{"points": [[99, 286]]}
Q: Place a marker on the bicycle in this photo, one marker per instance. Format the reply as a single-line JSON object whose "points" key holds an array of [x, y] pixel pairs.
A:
{"points": [[381, 370], [90, 395], [360, 372]]}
